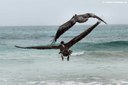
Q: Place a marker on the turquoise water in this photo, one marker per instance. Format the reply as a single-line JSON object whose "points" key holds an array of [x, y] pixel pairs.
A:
{"points": [[99, 59]]}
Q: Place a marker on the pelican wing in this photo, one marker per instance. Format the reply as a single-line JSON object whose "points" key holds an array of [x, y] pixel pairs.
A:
{"points": [[39, 47], [77, 18], [81, 36], [64, 27], [100, 19], [91, 15]]}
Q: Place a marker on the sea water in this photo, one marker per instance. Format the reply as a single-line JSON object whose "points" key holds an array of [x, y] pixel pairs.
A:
{"points": [[101, 58]]}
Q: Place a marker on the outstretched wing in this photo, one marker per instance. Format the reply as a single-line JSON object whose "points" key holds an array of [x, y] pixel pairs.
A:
{"points": [[100, 19], [64, 27], [81, 36], [84, 17], [39, 47], [76, 18]]}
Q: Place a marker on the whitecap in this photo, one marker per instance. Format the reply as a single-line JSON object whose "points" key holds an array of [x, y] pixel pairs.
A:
{"points": [[78, 53], [110, 82], [61, 83]]}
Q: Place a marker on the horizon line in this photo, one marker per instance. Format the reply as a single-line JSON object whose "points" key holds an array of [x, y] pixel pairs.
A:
{"points": [[53, 25]]}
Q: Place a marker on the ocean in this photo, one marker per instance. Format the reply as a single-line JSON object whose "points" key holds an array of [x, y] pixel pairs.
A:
{"points": [[101, 58]]}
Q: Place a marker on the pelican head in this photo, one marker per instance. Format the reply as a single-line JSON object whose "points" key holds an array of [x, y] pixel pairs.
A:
{"points": [[62, 42]]}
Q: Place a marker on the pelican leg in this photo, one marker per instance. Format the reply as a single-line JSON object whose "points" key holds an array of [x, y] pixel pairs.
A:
{"points": [[62, 57], [68, 58]]}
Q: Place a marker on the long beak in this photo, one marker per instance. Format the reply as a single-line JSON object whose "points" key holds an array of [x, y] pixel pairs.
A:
{"points": [[100, 19]]}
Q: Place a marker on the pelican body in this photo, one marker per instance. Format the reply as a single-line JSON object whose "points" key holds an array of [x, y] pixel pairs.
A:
{"points": [[65, 47]]}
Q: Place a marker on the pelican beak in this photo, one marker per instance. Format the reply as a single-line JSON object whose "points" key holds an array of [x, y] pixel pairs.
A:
{"points": [[100, 19]]}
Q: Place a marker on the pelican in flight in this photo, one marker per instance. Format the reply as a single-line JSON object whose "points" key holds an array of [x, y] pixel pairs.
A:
{"points": [[65, 47], [76, 18]]}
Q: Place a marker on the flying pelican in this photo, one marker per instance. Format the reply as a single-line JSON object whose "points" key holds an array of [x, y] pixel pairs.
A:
{"points": [[76, 18], [65, 47]]}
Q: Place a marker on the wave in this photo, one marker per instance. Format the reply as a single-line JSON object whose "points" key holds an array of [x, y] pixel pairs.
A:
{"points": [[23, 36], [57, 83], [110, 82], [30, 37], [113, 45], [63, 83], [78, 53]]}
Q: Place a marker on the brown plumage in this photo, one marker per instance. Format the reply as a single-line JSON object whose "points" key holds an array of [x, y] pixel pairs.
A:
{"points": [[76, 18], [68, 44]]}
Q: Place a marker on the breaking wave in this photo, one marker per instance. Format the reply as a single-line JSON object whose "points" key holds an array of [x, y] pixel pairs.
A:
{"points": [[113, 45], [110, 82]]}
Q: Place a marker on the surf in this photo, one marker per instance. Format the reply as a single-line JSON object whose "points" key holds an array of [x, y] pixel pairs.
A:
{"points": [[112, 45]]}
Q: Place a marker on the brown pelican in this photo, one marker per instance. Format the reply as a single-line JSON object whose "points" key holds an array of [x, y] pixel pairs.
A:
{"points": [[76, 18], [64, 47]]}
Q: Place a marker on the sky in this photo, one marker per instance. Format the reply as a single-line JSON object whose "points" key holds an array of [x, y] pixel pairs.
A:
{"points": [[56, 12]]}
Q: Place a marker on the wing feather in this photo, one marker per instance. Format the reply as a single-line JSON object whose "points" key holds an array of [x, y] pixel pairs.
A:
{"points": [[64, 27], [39, 47], [81, 36]]}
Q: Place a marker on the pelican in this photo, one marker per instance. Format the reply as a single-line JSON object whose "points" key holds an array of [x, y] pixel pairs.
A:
{"points": [[76, 18], [65, 47]]}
